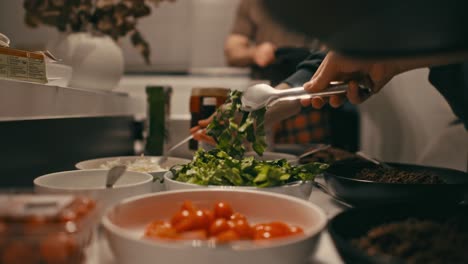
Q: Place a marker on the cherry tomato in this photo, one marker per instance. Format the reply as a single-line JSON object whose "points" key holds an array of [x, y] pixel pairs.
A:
{"points": [[237, 216], [223, 210], [67, 215], [186, 224], [188, 205], [201, 220], [58, 248], [209, 215], [243, 229], [270, 230], [20, 252], [295, 230], [227, 236], [34, 225], [160, 229], [199, 234], [218, 226], [179, 216]]}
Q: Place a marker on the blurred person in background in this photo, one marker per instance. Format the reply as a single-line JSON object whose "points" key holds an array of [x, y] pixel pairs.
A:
{"points": [[273, 53]]}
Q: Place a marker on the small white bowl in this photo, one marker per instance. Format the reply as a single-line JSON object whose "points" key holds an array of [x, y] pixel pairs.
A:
{"points": [[301, 189], [157, 175], [125, 223], [92, 183]]}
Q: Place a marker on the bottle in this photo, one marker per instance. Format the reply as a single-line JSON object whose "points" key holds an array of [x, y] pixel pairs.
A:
{"points": [[159, 98], [203, 103]]}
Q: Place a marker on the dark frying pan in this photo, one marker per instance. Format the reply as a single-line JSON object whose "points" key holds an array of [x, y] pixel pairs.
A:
{"points": [[356, 222], [341, 184]]}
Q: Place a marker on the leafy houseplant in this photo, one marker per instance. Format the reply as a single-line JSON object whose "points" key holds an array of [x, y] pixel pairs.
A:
{"points": [[114, 18]]}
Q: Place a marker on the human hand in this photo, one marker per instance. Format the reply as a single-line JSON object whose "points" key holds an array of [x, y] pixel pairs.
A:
{"points": [[335, 67], [264, 54], [199, 132]]}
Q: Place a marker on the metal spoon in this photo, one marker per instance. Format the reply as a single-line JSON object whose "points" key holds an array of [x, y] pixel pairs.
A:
{"points": [[114, 174], [167, 153], [375, 161], [263, 95]]}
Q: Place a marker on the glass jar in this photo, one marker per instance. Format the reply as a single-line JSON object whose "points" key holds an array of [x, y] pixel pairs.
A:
{"points": [[203, 103]]}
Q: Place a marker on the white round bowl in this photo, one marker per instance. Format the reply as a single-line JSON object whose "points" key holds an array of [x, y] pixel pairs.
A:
{"points": [[92, 183], [301, 189], [125, 223], [158, 176]]}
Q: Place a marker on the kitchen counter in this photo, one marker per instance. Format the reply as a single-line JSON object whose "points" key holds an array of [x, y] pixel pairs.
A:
{"points": [[326, 251]]}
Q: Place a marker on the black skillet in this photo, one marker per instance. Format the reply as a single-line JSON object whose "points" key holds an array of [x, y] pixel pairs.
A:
{"points": [[356, 222], [340, 183]]}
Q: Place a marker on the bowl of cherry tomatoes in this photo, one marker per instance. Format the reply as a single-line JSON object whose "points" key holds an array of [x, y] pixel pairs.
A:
{"points": [[213, 226]]}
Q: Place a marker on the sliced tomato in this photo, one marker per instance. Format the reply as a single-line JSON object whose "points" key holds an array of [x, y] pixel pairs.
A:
{"points": [[218, 226], [237, 216], [243, 229], [227, 236], [179, 216], [189, 206]]}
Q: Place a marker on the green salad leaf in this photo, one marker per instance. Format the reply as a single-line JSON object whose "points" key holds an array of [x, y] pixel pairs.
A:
{"points": [[217, 167], [226, 165], [231, 127]]}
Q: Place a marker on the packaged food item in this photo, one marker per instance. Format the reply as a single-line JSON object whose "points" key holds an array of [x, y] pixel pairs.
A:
{"points": [[49, 229], [22, 65], [159, 109]]}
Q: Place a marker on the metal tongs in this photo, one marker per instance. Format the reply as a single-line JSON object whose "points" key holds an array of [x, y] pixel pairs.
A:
{"points": [[262, 95]]}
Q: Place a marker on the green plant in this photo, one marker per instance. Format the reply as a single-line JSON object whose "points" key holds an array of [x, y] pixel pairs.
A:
{"points": [[115, 18]]}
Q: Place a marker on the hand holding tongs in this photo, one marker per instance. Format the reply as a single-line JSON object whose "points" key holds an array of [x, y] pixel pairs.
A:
{"points": [[262, 95]]}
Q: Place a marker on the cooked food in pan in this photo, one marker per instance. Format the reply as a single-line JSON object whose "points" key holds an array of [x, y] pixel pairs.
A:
{"points": [[394, 175]]}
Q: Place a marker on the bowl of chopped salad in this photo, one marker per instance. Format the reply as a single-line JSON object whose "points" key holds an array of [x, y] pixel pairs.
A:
{"points": [[217, 169], [147, 164]]}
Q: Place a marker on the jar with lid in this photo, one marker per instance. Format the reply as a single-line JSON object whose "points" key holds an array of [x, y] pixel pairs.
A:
{"points": [[203, 103]]}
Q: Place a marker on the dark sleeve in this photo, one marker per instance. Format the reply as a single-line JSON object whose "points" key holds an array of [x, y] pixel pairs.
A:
{"points": [[243, 23], [306, 69], [452, 82]]}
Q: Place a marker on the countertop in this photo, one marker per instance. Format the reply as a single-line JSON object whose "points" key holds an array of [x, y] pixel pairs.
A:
{"points": [[28, 101]]}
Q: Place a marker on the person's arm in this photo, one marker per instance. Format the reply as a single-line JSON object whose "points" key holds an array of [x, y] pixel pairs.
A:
{"points": [[374, 74], [238, 51]]}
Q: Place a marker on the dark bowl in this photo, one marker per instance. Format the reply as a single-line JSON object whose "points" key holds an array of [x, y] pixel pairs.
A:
{"points": [[340, 182], [355, 223]]}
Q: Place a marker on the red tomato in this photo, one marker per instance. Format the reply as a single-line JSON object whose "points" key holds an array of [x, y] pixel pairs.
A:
{"points": [[161, 229], [237, 216], [209, 215], [270, 230], [199, 234], [243, 229], [188, 205], [34, 225], [201, 220], [227, 236], [58, 248], [218, 226], [179, 216], [223, 210], [67, 215], [295, 230]]}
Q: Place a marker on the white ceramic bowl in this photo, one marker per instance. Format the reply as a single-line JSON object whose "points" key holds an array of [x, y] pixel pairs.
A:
{"points": [[300, 190], [125, 223], [92, 183], [157, 175]]}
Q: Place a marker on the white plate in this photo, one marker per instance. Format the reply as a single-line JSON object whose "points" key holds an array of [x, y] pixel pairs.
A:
{"points": [[125, 223]]}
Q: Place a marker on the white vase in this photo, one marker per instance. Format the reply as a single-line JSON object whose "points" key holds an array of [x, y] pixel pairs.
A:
{"points": [[97, 61]]}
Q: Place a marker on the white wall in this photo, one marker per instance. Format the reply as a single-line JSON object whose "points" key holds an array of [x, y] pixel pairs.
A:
{"points": [[182, 34]]}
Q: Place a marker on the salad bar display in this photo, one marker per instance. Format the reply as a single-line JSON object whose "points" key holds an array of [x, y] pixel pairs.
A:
{"points": [[228, 206]]}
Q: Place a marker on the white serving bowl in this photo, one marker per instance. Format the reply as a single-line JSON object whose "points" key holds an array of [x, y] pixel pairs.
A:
{"points": [[157, 175], [125, 223], [301, 189], [92, 183]]}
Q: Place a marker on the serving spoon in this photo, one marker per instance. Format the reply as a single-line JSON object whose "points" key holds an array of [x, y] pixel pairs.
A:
{"points": [[263, 95]]}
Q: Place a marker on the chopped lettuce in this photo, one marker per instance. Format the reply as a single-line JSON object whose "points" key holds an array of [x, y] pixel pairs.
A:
{"points": [[217, 167]]}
